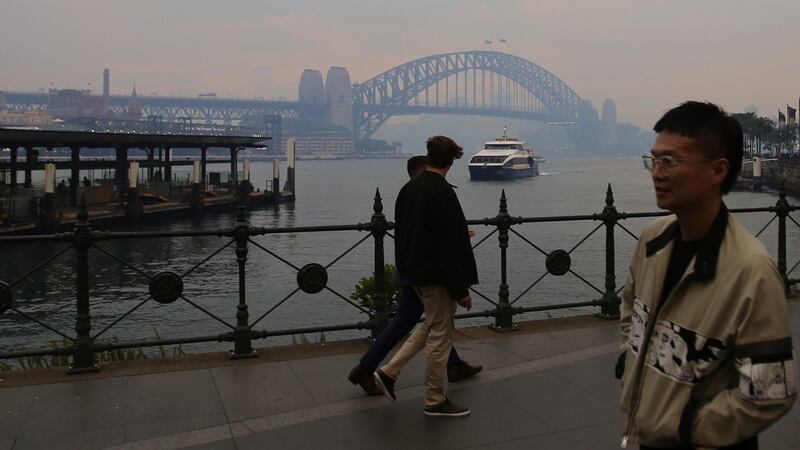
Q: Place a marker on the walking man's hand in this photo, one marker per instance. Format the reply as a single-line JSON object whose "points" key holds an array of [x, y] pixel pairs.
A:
{"points": [[465, 302]]}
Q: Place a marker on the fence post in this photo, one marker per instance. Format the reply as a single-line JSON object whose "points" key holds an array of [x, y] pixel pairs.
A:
{"points": [[379, 300], [782, 210], [609, 308], [83, 358], [242, 344], [504, 319]]}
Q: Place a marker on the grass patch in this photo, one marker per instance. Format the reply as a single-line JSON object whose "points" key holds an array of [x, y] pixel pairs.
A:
{"points": [[119, 354]]}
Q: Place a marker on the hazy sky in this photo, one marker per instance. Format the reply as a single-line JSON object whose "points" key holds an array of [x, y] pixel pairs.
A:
{"points": [[646, 55]]}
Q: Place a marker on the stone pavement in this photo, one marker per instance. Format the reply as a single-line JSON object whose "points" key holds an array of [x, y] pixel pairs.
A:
{"points": [[548, 386]]}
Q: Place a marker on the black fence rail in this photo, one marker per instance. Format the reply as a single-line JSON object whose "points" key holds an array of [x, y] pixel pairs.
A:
{"points": [[166, 286]]}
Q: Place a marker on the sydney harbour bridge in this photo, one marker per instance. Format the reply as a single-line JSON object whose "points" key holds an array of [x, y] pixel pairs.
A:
{"points": [[480, 83]]}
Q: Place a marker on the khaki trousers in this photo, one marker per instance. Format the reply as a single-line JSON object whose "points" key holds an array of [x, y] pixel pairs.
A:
{"points": [[436, 336]]}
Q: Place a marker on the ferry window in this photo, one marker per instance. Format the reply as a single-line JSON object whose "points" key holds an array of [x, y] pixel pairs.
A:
{"points": [[488, 159], [513, 161]]}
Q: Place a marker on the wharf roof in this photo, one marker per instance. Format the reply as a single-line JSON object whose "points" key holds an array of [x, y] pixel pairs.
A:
{"points": [[10, 137]]}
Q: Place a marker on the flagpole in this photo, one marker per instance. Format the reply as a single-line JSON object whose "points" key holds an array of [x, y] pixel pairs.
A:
{"points": [[789, 133], [780, 134]]}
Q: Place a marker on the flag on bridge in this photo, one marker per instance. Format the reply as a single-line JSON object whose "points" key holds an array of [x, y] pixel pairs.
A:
{"points": [[781, 120], [792, 113]]}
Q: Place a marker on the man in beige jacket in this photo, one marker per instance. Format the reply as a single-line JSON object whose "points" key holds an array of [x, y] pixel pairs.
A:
{"points": [[708, 360]]}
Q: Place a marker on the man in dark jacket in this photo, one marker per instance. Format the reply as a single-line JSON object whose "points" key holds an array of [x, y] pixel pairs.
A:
{"points": [[409, 310], [433, 251]]}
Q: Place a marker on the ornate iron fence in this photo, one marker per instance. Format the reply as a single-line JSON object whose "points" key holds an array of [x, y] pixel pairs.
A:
{"points": [[166, 287]]}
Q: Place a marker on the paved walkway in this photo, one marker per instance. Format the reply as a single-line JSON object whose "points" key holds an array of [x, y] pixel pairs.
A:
{"points": [[549, 386]]}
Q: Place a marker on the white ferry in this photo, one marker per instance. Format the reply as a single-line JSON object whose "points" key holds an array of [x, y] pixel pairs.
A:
{"points": [[504, 158]]}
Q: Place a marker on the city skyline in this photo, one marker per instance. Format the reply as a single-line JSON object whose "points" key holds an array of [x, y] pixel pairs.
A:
{"points": [[645, 57]]}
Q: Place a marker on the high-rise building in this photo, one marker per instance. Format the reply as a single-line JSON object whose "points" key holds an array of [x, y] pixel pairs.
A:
{"points": [[609, 137], [339, 94], [311, 89], [609, 111]]}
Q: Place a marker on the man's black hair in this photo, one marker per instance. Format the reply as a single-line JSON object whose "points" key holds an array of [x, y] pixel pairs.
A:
{"points": [[719, 134], [416, 164], [442, 151]]}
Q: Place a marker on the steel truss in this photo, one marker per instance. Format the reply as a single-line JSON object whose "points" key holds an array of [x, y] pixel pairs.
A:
{"points": [[530, 91]]}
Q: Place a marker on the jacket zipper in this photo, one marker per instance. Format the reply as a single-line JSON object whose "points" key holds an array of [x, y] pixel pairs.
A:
{"points": [[646, 345]]}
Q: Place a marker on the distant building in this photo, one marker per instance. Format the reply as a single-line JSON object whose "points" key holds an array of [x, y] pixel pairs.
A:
{"points": [[80, 103], [72, 103], [134, 110], [27, 119], [587, 111], [609, 134], [311, 89], [106, 91], [629, 136], [320, 143], [339, 94], [609, 111]]}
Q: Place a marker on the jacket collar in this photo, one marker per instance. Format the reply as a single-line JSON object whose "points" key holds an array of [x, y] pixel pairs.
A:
{"points": [[437, 175], [705, 265]]}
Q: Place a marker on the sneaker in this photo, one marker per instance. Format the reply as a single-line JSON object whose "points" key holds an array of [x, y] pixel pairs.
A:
{"points": [[447, 409], [385, 384], [462, 371], [361, 377]]}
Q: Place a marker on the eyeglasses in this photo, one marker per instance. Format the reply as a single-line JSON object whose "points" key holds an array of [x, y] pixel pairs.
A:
{"points": [[667, 162]]}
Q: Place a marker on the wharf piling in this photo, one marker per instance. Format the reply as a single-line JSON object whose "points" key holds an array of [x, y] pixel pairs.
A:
{"points": [[276, 173]]}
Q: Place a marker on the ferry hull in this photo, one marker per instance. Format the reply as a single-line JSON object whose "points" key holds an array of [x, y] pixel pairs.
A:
{"points": [[482, 173]]}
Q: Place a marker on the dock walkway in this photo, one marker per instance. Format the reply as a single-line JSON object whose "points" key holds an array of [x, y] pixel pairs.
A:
{"points": [[548, 386]]}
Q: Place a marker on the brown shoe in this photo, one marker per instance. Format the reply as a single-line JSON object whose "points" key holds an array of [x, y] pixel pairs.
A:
{"points": [[447, 409], [462, 371], [363, 378]]}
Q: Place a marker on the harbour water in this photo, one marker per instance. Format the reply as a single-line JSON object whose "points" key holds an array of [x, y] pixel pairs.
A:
{"points": [[332, 193]]}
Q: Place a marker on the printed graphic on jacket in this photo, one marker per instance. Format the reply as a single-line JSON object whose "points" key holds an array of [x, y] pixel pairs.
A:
{"points": [[674, 351], [772, 380], [638, 325]]}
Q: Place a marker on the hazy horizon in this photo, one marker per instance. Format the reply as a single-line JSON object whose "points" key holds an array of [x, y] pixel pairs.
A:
{"points": [[647, 56]]}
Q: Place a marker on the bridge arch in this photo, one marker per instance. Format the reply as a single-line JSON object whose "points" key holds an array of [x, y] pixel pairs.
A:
{"points": [[538, 94]]}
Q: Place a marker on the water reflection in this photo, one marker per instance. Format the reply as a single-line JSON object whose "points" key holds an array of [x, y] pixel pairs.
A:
{"points": [[577, 188]]}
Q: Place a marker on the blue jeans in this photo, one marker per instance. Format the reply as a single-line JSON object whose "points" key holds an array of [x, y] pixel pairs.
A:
{"points": [[409, 310]]}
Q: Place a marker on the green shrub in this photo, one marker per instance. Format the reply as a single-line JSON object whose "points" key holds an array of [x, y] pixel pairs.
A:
{"points": [[365, 290]]}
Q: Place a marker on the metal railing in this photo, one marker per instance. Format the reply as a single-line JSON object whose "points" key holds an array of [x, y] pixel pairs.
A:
{"points": [[166, 287]]}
